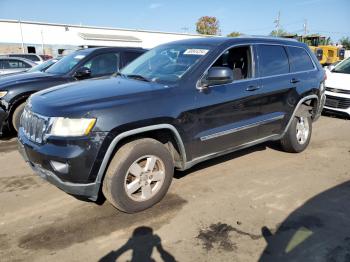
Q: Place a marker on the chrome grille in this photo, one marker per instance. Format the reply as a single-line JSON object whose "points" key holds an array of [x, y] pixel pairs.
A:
{"points": [[34, 126]]}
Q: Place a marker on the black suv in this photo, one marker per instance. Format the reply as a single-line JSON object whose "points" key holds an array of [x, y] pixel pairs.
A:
{"points": [[173, 107], [82, 64]]}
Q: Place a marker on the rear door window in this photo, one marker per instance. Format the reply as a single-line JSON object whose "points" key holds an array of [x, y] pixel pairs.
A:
{"points": [[299, 60], [273, 60]]}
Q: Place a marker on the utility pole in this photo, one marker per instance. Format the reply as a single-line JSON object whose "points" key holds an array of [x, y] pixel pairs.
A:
{"points": [[42, 42], [278, 23], [305, 27], [20, 27]]}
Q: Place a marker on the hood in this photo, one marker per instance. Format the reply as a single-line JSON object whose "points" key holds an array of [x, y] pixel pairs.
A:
{"points": [[11, 80], [79, 98], [338, 80]]}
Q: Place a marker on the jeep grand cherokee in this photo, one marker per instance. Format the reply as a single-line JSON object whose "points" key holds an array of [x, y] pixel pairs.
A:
{"points": [[176, 105]]}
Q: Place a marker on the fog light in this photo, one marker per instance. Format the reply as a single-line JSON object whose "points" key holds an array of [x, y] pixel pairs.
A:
{"points": [[60, 167]]}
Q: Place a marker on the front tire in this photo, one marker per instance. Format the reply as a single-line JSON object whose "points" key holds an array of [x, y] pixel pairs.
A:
{"points": [[298, 135], [16, 116], [139, 175]]}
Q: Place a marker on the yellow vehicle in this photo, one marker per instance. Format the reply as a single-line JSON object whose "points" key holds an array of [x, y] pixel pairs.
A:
{"points": [[326, 53]]}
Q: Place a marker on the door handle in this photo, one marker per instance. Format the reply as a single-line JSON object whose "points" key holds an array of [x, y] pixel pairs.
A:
{"points": [[252, 88], [294, 81]]}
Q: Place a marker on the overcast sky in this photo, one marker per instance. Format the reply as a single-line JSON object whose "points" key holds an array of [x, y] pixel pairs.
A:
{"points": [[328, 17]]}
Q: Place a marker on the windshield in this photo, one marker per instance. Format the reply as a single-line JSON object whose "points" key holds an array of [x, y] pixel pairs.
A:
{"points": [[67, 63], [343, 67], [166, 63], [43, 66]]}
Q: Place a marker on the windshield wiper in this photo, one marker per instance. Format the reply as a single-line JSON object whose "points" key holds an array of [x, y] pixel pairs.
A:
{"points": [[118, 74], [139, 77]]}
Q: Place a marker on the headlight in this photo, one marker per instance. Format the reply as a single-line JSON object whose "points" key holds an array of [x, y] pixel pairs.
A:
{"points": [[3, 93], [71, 126]]}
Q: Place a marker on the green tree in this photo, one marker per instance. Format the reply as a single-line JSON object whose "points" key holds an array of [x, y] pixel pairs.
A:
{"points": [[208, 25], [234, 34], [345, 41], [279, 32]]}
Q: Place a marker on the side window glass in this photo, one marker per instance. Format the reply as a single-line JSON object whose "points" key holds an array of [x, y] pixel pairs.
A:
{"points": [[14, 64], [273, 60], [238, 59], [104, 64], [299, 60], [130, 56], [25, 65]]}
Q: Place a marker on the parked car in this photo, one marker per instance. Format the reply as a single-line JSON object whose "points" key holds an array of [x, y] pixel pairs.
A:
{"points": [[177, 105], [33, 57], [14, 65], [82, 64], [38, 68], [338, 88]]}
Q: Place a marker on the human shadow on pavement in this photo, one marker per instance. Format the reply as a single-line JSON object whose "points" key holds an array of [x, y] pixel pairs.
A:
{"points": [[142, 242], [317, 231]]}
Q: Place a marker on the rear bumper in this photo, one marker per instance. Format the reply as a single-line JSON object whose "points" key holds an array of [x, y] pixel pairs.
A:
{"points": [[3, 117], [320, 106]]}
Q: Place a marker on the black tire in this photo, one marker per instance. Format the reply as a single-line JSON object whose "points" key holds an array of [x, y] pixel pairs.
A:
{"points": [[113, 186], [290, 143], [16, 116]]}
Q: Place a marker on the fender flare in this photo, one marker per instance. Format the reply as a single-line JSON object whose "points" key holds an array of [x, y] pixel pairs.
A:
{"points": [[301, 101], [140, 130]]}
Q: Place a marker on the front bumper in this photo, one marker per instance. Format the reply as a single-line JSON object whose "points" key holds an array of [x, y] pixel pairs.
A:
{"points": [[337, 102], [3, 117], [80, 156]]}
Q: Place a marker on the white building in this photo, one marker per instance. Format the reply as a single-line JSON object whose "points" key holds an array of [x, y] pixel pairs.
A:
{"points": [[48, 38]]}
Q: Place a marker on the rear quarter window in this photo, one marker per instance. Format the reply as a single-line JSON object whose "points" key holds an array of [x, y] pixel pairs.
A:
{"points": [[299, 59], [273, 60]]}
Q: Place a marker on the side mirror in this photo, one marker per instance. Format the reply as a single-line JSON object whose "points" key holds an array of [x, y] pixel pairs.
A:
{"points": [[217, 76], [82, 72]]}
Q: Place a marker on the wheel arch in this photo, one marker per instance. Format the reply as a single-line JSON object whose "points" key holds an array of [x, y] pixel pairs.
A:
{"points": [[306, 104], [17, 101], [161, 132]]}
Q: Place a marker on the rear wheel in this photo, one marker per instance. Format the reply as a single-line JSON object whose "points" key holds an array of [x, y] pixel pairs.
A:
{"points": [[16, 116], [138, 176], [298, 135]]}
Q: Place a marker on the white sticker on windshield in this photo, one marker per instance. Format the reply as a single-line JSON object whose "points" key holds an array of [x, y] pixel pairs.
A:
{"points": [[79, 57], [196, 51]]}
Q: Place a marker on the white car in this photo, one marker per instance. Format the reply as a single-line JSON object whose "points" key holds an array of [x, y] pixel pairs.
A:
{"points": [[338, 88], [37, 59], [9, 65]]}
